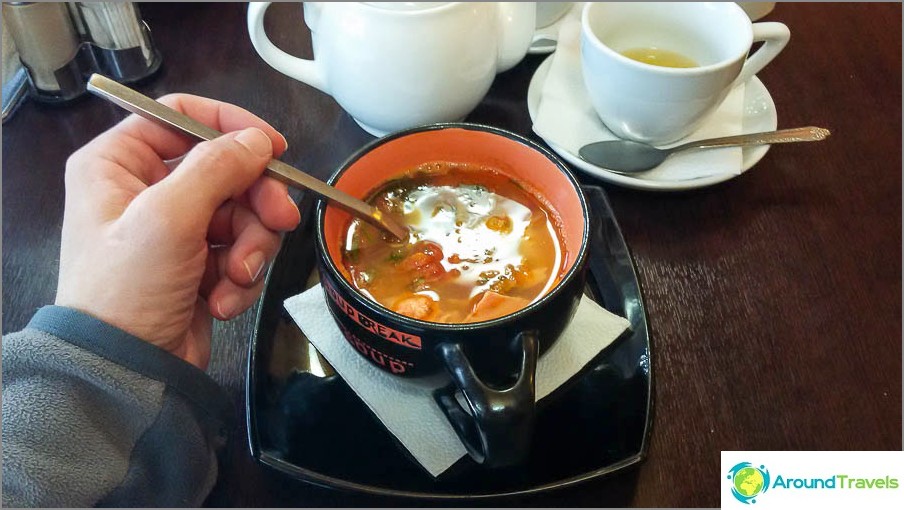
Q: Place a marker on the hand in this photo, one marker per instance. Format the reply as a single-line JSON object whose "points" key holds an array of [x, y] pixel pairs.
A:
{"points": [[157, 252]]}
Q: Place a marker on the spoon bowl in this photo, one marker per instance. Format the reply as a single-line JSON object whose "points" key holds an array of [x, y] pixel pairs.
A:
{"points": [[628, 157]]}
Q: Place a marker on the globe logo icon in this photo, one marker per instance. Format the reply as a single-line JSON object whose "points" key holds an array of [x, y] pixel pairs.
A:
{"points": [[748, 481]]}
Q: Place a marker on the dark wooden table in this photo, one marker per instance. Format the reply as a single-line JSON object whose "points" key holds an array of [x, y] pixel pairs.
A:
{"points": [[774, 299]]}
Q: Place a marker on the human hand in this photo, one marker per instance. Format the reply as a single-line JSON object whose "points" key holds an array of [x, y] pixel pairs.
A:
{"points": [[156, 252]]}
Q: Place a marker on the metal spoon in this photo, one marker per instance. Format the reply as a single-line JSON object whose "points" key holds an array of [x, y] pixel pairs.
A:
{"points": [[625, 156], [543, 44], [146, 107]]}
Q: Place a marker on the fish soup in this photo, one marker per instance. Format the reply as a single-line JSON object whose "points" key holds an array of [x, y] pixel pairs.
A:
{"points": [[482, 245]]}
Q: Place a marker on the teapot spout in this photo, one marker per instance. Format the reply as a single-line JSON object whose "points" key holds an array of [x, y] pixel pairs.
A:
{"points": [[517, 21]]}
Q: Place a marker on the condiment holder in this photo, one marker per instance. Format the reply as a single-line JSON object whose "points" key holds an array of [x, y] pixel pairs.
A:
{"points": [[61, 44]]}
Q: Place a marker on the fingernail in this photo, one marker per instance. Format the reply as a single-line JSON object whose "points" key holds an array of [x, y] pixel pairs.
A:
{"points": [[254, 264], [255, 141], [285, 142], [228, 306], [291, 201]]}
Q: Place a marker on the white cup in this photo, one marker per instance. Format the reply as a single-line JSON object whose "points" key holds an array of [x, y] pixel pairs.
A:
{"points": [[397, 65], [657, 104]]}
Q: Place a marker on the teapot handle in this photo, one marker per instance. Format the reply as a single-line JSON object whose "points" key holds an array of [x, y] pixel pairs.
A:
{"points": [[517, 22], [307, 71]]}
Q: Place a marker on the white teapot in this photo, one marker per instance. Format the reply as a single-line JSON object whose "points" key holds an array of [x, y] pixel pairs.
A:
{"points": [[396, 65]]}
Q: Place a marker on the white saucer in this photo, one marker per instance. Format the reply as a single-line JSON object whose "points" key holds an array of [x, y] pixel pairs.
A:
{"points": [[759, 115], [550, 33]]}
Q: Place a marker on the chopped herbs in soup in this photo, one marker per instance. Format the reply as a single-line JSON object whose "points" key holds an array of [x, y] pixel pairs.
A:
{"points": [[481, 246]]}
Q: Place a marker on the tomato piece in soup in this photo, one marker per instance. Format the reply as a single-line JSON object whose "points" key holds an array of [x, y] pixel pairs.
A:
{"points": [[492, 305], [415, 306]]}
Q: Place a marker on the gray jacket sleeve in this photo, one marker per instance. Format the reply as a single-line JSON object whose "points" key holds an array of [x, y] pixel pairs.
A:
{"points": [[93, 416]]}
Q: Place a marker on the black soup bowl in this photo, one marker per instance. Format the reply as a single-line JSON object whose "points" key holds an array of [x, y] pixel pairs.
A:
{"points": [[493, 363]]}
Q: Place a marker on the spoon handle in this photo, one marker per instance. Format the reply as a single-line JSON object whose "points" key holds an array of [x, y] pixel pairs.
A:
{"points": [[802, 134], [155, 111]]}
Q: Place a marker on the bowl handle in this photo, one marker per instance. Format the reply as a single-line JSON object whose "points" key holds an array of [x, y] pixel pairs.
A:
{"points": [[497, 432]]}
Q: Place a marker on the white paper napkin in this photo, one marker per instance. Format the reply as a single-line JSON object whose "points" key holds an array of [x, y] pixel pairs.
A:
{"points": [[407, 408], [566, 118]]}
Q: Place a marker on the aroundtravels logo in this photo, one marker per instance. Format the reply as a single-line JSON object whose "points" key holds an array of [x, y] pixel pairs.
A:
{"points": [[811, 479], [748, 482]]}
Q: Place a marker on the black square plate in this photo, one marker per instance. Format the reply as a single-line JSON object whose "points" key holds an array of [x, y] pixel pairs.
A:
{"points": [[304, 421]]}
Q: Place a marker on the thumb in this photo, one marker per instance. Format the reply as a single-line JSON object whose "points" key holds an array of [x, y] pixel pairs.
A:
{"points": [[212, 173]]}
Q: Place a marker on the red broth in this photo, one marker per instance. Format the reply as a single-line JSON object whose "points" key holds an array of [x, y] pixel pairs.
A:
{"points": [[481, 246]]}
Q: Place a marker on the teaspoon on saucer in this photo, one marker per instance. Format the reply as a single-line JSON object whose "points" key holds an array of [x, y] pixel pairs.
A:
{"points": [[167, 117], [626, 156]]}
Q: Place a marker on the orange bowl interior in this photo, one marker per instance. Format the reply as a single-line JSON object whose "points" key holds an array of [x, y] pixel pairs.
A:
{"points": [[393, 158]]}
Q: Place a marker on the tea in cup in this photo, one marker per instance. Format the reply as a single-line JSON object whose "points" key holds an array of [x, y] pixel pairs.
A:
{"points": [[655, 71]]}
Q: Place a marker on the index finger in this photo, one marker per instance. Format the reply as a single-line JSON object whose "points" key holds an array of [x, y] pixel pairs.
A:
{"points": [[223, 117]]}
